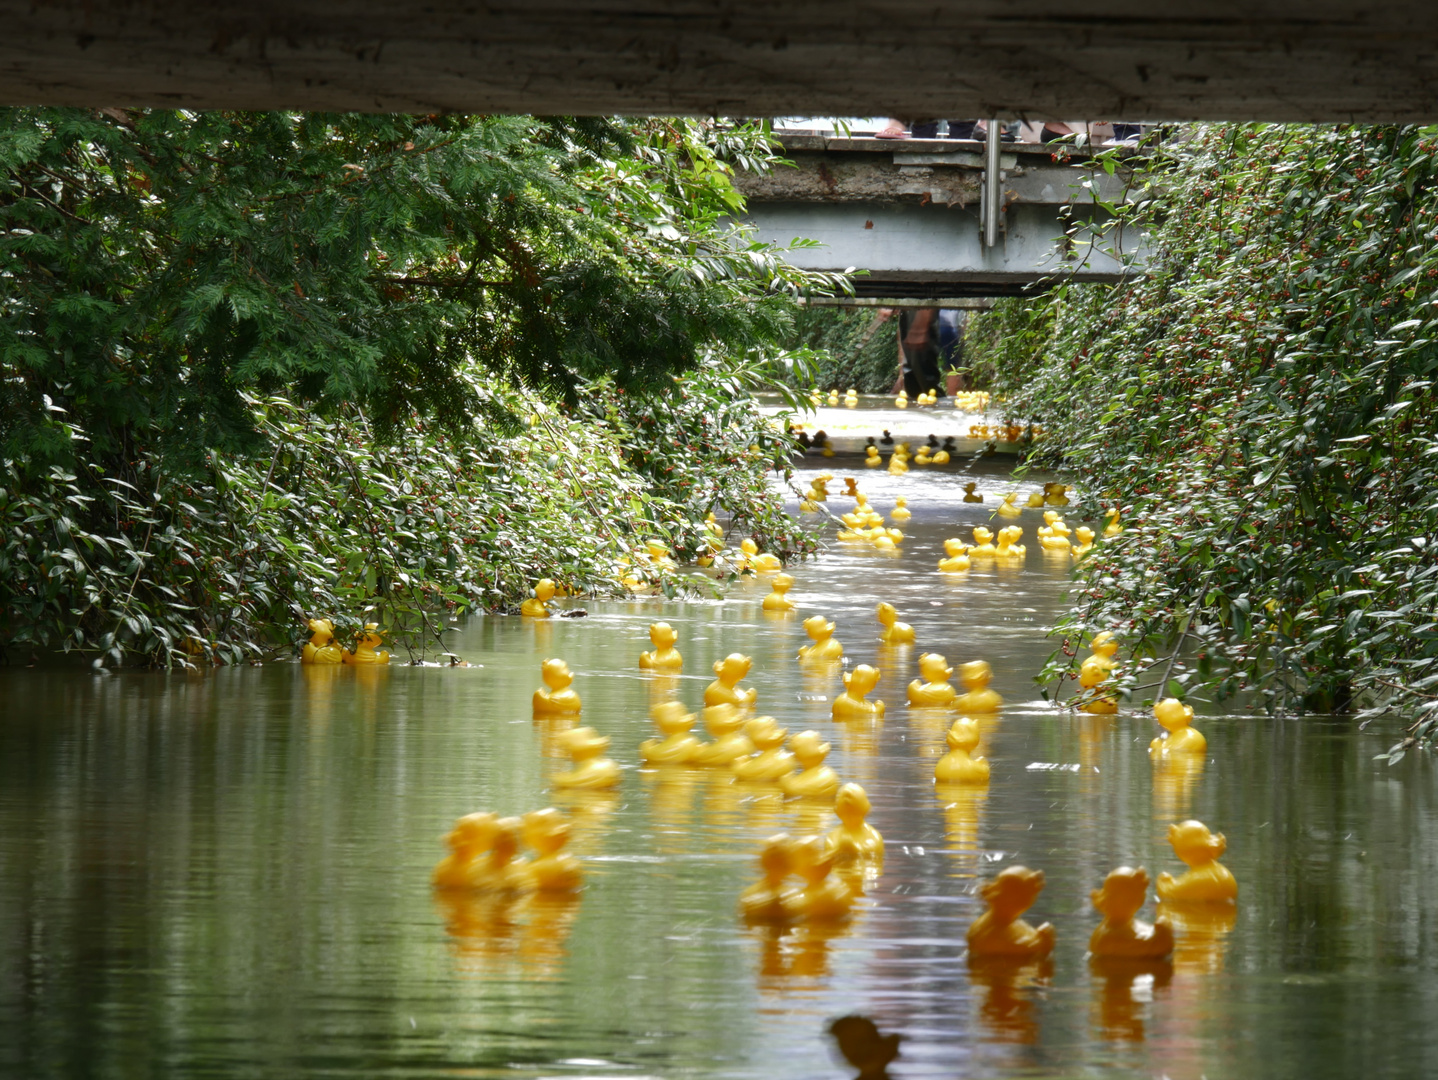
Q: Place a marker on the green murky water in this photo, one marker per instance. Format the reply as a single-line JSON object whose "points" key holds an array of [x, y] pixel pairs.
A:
{"points": [[227, 875]]}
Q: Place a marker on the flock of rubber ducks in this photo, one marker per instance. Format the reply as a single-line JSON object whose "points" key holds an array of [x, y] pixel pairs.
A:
{"points": [[970, 400], [322, 648]]}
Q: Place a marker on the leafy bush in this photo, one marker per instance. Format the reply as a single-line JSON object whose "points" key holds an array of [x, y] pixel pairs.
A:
{"points": [[1261, 408]]}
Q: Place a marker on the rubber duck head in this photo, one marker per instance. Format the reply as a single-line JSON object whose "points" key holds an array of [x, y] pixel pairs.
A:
{"points": [[1173, 714], [323, 631], [983, 536], [748, 547], [954, 547], [722, 720], [963, 735], [818, 627], [887, 614], [505, 843], [1124, 892], [976, 674], [671, 718], [934, 668], [1084, 535], [733, 667], [1193, 843], [370, 636], [813, 859], [809, 747], [472, 833], [1013, 892], [871, 451], [852, 805], [662, 635], [765, 733], [556, 674], [776, 858], [582, 742], [544, 590], [782, 583], [546, 831], [861, 680]]}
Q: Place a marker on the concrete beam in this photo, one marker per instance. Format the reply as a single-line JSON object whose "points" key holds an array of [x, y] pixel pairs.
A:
{"points": [[926, 250], [1322, 60]]}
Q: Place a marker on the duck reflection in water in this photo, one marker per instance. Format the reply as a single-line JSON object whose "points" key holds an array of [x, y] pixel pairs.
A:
{"points": [[531, 930], [1124, 986], [963, 817], [589, 811], [1007, 988], [1200, 934], [1175, 777]]}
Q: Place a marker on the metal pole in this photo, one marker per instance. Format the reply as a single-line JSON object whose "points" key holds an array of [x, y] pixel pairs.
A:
{"points": [[991, 192]]}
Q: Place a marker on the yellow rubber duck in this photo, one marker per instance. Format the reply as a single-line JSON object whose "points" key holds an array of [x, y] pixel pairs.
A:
{"points": [[723, 722], [1008, 508], [553, 869], [1056, 494], [833, 397], [922, 457], [825, 647], [585, 748], [1000, 931], [1036, 500], [555, 696], [1008, 545], [762, 563], [772, 762], [725, 690], [365, 648], [470, 838], [1096, 670], [983, 544], [503, 871], [1084, 536], [1113, 527], [1181, 737], [824, 897], [882, 541], [1206, 881], [902, 401], [933, 688], [854, 836], [536, 606], [814, 780], [678, 746], [322, 647], [970, 495], [852, 703], [776, 600], [1057, 537], [665, 656], [851, 487], [893, 632], [851, 398], [658, 554], [766, 902], [901, 511], [1123, 895], [957, 556], [941, 457], [979, 700], [872, 458], [898, 463], [958, 766]]}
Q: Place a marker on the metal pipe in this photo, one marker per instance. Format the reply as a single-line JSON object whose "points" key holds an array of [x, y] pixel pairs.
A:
{"points": [[991, 192]]}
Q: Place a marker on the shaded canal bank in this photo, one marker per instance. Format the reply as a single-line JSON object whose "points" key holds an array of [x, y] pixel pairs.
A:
{"points": [[227, 874]]}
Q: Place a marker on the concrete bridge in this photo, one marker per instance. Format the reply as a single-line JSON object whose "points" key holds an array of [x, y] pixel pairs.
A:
{"points": [[911, 214]]}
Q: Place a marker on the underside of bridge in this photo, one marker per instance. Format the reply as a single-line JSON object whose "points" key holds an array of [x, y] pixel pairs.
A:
{"points": [[1099, 59]]}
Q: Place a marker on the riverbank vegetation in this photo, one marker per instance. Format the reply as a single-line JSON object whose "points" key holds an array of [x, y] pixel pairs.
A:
{"points": [[260, 367], [1260, 407]]}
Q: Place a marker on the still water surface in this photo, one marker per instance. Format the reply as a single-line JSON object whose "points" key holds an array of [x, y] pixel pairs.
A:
{"points": [[227, 874]]}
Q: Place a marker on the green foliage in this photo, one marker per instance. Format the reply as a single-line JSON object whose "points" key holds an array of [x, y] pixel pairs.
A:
{"points": [[260, 366], [851, 347], [227, 562], [1260, 407]]}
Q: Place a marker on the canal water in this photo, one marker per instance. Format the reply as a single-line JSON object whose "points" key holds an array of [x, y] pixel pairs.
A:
{"points": [[227, 874]]}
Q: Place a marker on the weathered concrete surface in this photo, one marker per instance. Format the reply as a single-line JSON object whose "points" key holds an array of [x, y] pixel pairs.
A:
{"points": [[878, 172], [1100, 59]]}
